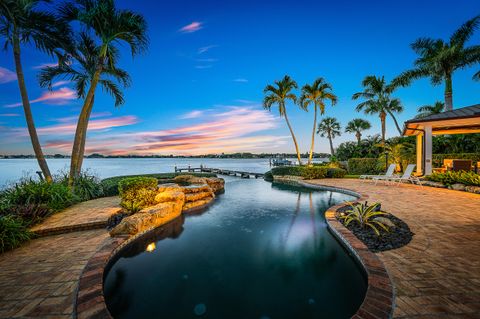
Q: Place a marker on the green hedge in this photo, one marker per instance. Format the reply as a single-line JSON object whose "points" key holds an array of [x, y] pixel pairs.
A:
{"points": [[137, 192], [12, 233], [110, 185], [437, 159], [307, 172], [358, 166], [449, 178]]}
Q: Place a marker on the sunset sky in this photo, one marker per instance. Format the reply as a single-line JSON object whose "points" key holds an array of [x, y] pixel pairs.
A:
{"points": [[199, 87]]}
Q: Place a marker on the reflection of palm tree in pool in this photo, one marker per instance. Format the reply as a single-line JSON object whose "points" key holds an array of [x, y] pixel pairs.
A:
{"points": [[292, 222], [330, 200], [312, 217]]}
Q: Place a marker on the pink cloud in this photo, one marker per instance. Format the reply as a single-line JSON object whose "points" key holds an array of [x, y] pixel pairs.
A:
{"points": [[58, 97], [75, 117], [94, 125], [60, 83], [7, 76], [10, 114], [192, 27]]}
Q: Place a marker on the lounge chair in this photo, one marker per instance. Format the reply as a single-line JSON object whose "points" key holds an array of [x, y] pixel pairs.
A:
{"points": [[388, 173], [406, 177]]}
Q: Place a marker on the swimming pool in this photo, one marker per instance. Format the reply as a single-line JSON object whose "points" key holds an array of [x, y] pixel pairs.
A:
{"points": [[260, 251]]}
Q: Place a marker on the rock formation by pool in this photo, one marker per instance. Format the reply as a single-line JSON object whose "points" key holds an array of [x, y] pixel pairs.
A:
{"points": [[186, 194]]}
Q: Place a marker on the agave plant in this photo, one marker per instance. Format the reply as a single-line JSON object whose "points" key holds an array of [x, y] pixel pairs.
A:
{"points": [[366, 216]]}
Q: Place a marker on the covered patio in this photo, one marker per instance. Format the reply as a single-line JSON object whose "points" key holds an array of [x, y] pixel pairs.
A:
{"points": [[465, 120]]}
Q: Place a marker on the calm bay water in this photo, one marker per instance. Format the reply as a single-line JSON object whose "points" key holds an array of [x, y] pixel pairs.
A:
{"points": [[13, 169]]}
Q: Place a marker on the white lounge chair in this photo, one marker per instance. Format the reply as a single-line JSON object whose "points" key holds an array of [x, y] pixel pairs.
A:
{"points": [[388, 173], [407, 176]]}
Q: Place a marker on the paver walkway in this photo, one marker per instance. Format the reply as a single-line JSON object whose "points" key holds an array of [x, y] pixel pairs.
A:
{"points": [[437, 275], [90, 214]]}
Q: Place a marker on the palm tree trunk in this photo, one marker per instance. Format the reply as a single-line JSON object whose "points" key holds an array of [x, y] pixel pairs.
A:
{"points": [[294, 140], [81, 130], [396, 123], [37, 148], [82, 145], [331, 144], [448, 93], [382, 119], [359, 137], [313, 135]]}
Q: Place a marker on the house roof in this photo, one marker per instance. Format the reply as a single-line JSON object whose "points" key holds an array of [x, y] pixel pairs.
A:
{"points": [[461, 120]]}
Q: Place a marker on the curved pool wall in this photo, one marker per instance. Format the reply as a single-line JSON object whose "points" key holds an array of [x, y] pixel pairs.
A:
{"points": [[260, 251]]}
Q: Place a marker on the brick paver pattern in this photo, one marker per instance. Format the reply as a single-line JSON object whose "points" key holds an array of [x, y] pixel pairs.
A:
{"points": [[437, 275]]}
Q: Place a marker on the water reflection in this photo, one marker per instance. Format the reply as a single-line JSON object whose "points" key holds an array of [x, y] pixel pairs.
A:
{"points": [[259, 250]]}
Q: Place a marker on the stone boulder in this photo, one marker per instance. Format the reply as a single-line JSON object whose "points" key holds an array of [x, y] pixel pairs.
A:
{"points": [[148, 218], [473, 189], [192, 197], [170, 196], [434, 184], [217, 184], [457, 187], [197, 204], [196, 189]]}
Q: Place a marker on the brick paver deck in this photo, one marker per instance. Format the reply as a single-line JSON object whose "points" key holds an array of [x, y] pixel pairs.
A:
{"points": [[86, 215], [437, 275]]}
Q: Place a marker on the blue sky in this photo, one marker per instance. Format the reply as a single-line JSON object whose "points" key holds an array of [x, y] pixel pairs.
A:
{"points": [[199, 87]]}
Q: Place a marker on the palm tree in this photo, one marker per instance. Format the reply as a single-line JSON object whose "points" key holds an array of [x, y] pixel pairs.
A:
{"points": [[357, 126], [21, 23], [330, 128], [377, 100], [317, 93], [111, 27], [427, 110], [279, 95], [439, 59], [79, 67]]}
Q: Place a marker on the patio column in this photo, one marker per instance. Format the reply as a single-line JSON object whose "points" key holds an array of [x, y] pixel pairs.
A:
{"points": [[420, 154], [428, 150]]}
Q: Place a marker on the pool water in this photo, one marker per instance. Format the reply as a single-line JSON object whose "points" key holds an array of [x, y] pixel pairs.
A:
{"points": [[260, 251]]}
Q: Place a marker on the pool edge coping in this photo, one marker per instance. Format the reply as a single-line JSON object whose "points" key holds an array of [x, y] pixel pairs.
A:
{"points": [[379, 299], [89, 301]]}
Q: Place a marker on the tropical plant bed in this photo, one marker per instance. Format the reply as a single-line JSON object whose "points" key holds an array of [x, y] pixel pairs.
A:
{"points": [[397, 236]]}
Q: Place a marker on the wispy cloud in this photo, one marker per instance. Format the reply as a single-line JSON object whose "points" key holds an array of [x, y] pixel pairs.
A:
{"points": [[7, 76], [57, 97], [206, 48], [240, 80], [60, 83], [191, 115], [94, 125], [73, 118], [9, 114], [192, 27], [44, 65], [206, 66], [206, 60], [233, 130]]}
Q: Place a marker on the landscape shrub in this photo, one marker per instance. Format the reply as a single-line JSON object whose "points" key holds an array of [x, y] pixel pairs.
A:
{"points": [[85, 187], [358, 166], [314, 172], [55, 196], [287, 170], [450, 178], [366, 215], [336, 173], [110, 185], [12, 233], [30, 214], [137, 192], [437, 159]]}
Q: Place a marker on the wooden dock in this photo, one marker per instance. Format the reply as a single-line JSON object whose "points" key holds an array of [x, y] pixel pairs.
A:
{"points": [[203, 169]]}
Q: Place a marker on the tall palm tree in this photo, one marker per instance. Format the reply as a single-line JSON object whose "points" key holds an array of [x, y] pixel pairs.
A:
{"points": [[317, 93], [378, 100], [427, 110], [79, 67], [439, 59], [21, 23], [357, 126], [280, 94], [330, 128], [111, 27]]}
